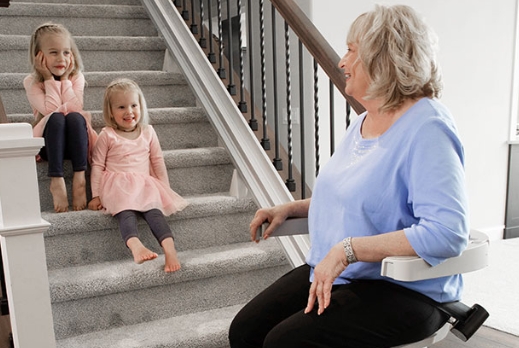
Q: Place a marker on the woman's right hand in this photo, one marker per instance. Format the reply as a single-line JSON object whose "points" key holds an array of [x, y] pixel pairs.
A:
{"points": [[95, 204], [40, 65], [275, 216]]}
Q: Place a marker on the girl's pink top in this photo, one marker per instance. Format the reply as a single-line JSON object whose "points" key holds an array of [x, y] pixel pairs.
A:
{"points": [[53, 96], [131, 174]]}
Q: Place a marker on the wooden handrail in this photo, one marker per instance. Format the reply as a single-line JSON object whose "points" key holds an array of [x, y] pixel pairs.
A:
{"points": [[317, 45], [4, 3]]}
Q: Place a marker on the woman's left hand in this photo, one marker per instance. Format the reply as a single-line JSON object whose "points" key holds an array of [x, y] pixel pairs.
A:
{"points": [[325, 274]]}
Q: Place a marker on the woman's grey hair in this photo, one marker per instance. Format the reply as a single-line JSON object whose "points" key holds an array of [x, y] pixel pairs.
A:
{"points": [[398, 52], [123, 85], [52, 29]]}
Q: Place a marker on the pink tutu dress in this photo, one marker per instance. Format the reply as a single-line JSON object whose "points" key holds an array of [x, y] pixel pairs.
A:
{"points": [[131, 174]]}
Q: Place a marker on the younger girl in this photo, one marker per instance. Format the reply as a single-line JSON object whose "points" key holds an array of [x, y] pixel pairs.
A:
{"points": [[129, 176], [55, 92]]}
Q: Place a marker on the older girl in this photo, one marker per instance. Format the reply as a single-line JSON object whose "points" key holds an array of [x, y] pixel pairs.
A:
{"points": [[55, 92]]}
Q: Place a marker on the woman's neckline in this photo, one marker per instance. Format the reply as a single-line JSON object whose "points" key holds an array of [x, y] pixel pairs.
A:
{"points": [[375, 134]]}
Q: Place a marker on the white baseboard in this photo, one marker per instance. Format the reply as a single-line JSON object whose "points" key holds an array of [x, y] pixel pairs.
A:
{"points": [[493, 233]]}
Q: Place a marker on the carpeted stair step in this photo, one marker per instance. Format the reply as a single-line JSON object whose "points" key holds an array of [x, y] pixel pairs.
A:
{"points": [[191, 171], [207, 329], [177, 128], [186, 130], [99, 53], [161, 89], [88, 237], [21, 18], [110, 295]]}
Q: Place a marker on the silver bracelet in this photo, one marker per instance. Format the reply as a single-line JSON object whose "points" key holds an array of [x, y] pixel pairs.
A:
{"points": [[350, 255]]}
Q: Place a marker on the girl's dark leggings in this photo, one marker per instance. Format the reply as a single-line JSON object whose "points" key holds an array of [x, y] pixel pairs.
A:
{"points": [[65, 137], [154, 218]]}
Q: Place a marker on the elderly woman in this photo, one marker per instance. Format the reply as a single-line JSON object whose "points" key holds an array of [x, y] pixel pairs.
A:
{"points": [[394, 186]]}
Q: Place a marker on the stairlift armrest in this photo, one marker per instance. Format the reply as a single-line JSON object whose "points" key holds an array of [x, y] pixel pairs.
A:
{"points": [[409, 268], [405, 268], [290, 227]]}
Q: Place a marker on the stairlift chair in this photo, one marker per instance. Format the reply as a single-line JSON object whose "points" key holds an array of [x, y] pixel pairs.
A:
{"points": [[464, 321]]}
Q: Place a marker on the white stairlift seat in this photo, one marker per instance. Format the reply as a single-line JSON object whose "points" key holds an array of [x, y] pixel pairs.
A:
{"points": [[465, 321]]}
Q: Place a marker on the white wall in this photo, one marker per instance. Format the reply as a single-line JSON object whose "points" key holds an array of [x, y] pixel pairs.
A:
{"points": [[476, 54]]}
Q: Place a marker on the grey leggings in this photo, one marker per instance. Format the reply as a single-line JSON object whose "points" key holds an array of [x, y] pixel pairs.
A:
{"points": [[155, 219]]}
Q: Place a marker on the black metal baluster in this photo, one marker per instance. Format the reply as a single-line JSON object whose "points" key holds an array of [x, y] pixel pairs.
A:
{"points": [[231, 88], [177, 3], [185, 12], [211, 55], [291, 184], [193, 26], [302, 121], [316, 117], [332, 119], [242, 105], [278, 164], [221, 69], [265, 141], [253, 123], [202, 41]]}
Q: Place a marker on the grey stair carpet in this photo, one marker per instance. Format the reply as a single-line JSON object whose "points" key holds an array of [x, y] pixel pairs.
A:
{"points": [[100, 297]]}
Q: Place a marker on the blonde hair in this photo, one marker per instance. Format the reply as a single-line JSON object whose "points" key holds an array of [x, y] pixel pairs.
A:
{"points": [[123, 85], [35, 46], [398, 53]]}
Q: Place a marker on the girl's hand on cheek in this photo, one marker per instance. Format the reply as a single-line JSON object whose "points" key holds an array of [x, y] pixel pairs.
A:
{"points": [[70, 68], [40, 64]]}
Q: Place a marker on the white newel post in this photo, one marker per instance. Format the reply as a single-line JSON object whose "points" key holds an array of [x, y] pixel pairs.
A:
{"points": [[21, 238]]}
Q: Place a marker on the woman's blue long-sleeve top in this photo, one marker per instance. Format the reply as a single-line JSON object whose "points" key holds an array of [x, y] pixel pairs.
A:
{"points": [[410, 178]]}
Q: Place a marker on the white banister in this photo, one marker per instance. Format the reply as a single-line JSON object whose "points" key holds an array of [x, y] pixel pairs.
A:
{"points": [[249, 158], [21, 239]]}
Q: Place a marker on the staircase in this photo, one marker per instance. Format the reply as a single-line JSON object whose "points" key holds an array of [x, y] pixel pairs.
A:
{"points": [[100, 298]]}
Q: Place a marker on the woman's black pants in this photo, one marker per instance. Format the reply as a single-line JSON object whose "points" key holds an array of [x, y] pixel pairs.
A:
{"points": [[362, 314]]}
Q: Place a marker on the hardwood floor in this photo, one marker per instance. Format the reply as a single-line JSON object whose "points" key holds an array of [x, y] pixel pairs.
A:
{"points": [[5, 326], [485, 337], [5, 329]]}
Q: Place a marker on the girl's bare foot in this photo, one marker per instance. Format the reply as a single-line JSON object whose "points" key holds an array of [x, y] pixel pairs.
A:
{"points": [[79, 200], [172, 263], [139, 251], [59, 194]]}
